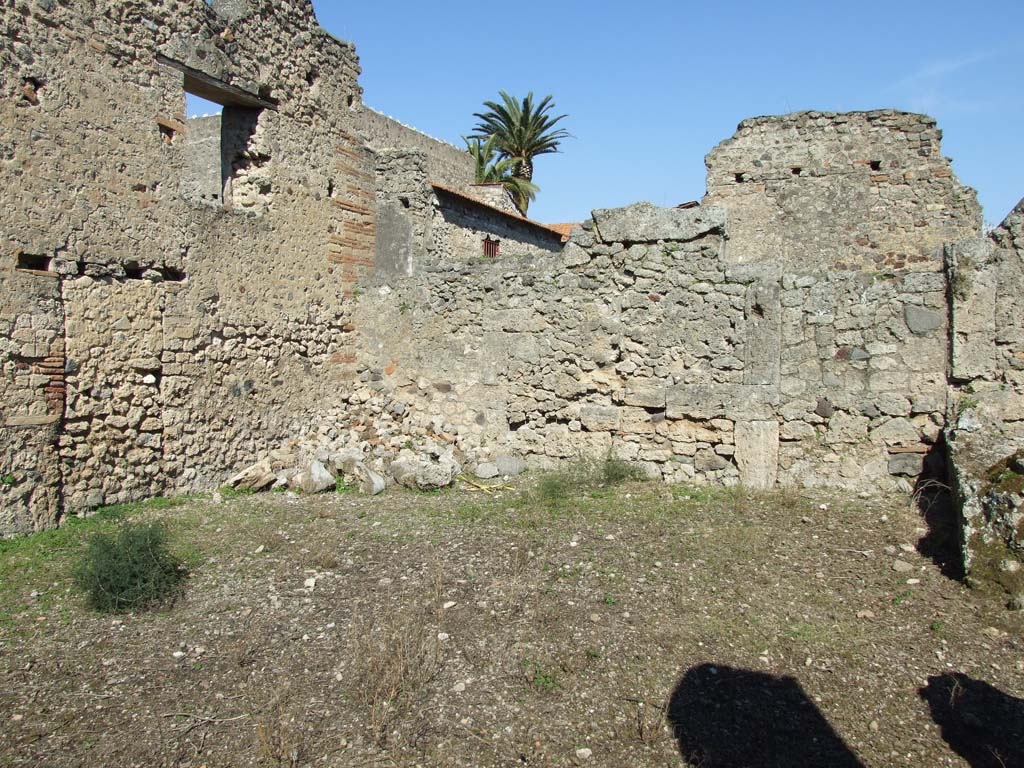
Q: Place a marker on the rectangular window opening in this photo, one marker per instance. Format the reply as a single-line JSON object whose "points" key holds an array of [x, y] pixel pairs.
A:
{"points": [[204, 180], [33, 262], [491, 247], [173, 275], [224, 167]]}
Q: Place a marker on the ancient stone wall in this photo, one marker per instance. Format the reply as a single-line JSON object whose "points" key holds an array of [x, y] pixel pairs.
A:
{"points": [[405, 210], [420, 223], [183, 297], [189, 333], [31, 395], [643, 341], [986, 437], [852, 191], [445, 163], [495, 195], [461, 224]]}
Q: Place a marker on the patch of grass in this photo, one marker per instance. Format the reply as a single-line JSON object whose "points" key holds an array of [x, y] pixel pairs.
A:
{"points": [[396, 654], [129, 570], [585, 477], [696, 494], [614, 471], [555, 488], [470, 513], [541, 678], [902, 597], [340, 486], [45, 558], [968, 403], [7, 480], [228, 492], [280, 741]]}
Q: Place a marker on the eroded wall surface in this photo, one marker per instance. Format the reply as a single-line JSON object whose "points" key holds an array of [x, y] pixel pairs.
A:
{"points": [[181, 300], [190, 326], [986, 436], [421, 223], [850, 191], [644, 341], [445, 164]]}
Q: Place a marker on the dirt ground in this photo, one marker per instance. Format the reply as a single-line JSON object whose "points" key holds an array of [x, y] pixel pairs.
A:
{"points": [[636, 625]]}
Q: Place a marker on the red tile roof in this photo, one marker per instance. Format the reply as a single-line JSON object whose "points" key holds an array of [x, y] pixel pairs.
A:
{"points": [[565, 229], [506, 214]]}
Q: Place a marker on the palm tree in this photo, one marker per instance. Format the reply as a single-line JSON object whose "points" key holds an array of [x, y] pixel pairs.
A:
{"points": [[492, 169], [489, 168], [520, 131]]}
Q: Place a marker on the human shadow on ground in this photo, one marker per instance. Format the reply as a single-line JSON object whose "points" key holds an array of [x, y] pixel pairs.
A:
{"points": [[933, 497], [736, 718], [979, 722]]}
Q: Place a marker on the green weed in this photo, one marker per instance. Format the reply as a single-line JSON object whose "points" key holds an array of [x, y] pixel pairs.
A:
{"points": [[541, 679], [902, 597], [613, 471], [130, 569], [228, 492]]}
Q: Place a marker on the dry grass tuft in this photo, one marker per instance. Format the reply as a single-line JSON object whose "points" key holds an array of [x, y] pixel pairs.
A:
{"points": [[397, 653]]}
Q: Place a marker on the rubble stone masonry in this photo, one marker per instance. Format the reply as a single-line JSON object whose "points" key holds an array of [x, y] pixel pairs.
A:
{"points": [[181, 298], [189, 329]]}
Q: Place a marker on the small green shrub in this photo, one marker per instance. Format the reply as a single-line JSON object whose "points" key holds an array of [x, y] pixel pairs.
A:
{"points": [[7, 480], [614, 471], [130, 569], [540, 677]]}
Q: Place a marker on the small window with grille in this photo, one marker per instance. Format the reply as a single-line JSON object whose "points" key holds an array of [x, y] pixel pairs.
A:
{"points": [[491, 247]]}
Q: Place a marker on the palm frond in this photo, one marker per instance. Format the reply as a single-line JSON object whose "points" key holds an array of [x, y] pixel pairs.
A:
{"points": [[521, 129]]}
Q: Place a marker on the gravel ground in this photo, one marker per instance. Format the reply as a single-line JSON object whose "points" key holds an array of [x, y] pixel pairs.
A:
{"points": [[635, 625]]}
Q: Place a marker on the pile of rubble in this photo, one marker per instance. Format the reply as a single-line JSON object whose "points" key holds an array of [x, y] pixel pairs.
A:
{"points": [[378, 447]]}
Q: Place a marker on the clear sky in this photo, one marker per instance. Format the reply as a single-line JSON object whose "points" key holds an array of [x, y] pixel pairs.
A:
{"points": [[651, 86]]}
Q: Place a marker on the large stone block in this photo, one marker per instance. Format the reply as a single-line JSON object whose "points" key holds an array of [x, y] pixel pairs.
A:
{"points": [[709, 401], [757, 453], [599, 418], [764, 334], [646, 223]]}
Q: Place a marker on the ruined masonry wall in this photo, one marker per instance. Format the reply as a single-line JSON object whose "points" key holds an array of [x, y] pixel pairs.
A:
{"points": [[160, 329], [853, 191], [419, 225], [987, 398], [446, 164], [186, 336], [460, 227], [661, 352]]}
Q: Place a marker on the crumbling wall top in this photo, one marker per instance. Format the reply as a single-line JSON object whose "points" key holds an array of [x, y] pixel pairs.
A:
{"points": [[232, 10], [855, 190]]}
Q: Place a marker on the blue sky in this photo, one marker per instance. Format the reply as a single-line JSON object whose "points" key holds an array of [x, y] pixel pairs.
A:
{"points": [[651, 87]]}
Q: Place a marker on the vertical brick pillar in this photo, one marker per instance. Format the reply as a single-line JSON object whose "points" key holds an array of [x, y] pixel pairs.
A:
{"points": [[352, 236]]}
